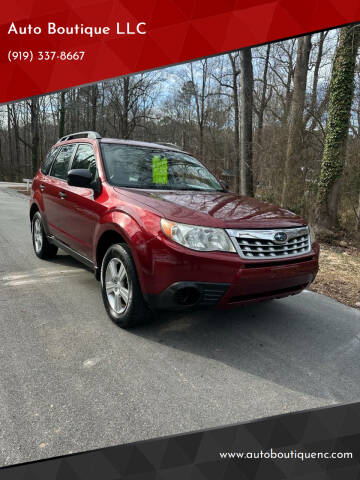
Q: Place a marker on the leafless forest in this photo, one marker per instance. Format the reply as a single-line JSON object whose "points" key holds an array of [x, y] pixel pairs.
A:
{"points": [[280, 122]]}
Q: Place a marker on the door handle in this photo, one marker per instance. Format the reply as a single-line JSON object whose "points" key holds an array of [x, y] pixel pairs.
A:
{"points": [[62, 194], [42, 187]]}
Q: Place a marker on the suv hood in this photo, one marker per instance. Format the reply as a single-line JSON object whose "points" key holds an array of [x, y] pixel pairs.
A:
{"points": [[214, 209]]}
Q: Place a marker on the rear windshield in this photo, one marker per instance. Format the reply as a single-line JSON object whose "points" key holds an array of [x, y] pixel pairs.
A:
{"points": [[148, 168]]}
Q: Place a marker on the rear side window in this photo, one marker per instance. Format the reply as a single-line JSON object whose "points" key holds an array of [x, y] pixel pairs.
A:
{"points": [[85, 158], [46, 165], [60, 167]]}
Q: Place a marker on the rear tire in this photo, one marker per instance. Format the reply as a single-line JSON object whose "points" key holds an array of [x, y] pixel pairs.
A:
{"points": [[42, 247], [120, 287]]}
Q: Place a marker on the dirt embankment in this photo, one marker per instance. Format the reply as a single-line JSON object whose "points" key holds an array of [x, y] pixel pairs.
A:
{"points": [[339, 274]]}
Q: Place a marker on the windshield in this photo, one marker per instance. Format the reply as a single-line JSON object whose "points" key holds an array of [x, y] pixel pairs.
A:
{"points": [[148, 168]]}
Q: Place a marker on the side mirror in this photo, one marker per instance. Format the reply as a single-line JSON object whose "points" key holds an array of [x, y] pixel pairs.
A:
{"points": [[80, 177]]}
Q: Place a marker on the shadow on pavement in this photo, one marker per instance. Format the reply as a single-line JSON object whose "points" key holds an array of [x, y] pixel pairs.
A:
{"points": [[66, 260], [307, 343]]}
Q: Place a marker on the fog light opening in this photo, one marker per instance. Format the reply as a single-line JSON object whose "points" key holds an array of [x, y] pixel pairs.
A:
{"points": [[187, 296]]}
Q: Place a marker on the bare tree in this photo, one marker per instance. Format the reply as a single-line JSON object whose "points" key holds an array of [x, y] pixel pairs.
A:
{"points": [[292, 183], [12, 175], [235, 67], [62, 113], [264, 96], [200, 96], [127, 107], [94, 95], [314, 95], [34, 114], [246, 108]]}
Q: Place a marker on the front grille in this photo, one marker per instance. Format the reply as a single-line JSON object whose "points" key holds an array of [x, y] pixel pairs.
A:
{"points": [[253, 244]]}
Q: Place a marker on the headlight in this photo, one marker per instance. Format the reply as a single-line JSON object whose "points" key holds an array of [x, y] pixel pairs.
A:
{"points": [[204, 239], [312, 234]]}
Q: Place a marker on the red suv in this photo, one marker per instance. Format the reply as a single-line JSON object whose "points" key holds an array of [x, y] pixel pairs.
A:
{"points": [[161, 232]]}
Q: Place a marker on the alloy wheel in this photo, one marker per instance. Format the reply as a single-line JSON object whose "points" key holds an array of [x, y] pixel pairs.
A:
{"points": [[38, 235], [117, 285]]}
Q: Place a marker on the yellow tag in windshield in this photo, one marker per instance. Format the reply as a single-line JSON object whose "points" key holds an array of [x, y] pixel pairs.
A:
{"points": [[159, 168]]}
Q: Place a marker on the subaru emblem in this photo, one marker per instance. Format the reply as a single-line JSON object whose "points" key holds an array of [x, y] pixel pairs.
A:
{"points": [[280, 237]]}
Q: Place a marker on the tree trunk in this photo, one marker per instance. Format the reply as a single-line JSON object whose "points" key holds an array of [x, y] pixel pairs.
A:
{"points": [[313, 102], [62, 115], [200, 98], [2, 164], [124, 123], [34, 111], [263, 100], [10, 146], [236, 162], [341, 93], [288, 92], [246, 107], [15, 123], [77, 110], [94, 98], [292, 191], [201, 116]]}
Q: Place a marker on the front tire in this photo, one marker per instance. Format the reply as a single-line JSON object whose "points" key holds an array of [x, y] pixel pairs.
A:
{"points": [[120, 287], [42, 247]]}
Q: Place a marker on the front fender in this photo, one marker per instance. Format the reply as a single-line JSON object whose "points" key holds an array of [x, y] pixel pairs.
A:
{"points": [[136, 237]]}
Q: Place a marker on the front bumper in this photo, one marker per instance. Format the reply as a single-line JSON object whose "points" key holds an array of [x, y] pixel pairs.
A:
{"points": [[250, 282]]}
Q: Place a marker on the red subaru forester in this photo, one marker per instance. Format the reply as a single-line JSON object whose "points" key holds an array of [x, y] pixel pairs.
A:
{"points": [[161, 232]]}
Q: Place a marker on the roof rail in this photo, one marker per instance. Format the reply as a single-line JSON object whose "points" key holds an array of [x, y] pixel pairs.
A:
{"points": [[88, 134], [168, 144]]}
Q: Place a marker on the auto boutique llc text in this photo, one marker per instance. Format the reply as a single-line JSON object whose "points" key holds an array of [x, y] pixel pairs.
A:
{"points": [[119, 28]]}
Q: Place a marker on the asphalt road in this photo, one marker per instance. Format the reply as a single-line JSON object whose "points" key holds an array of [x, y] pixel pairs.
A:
{"points": [[71, 380]]}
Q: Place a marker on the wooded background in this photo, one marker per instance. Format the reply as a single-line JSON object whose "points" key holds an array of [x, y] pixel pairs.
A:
{"points": [[280, 122]]}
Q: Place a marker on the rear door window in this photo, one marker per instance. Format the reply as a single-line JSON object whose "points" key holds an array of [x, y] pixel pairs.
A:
{"points": [[60, 167]]}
